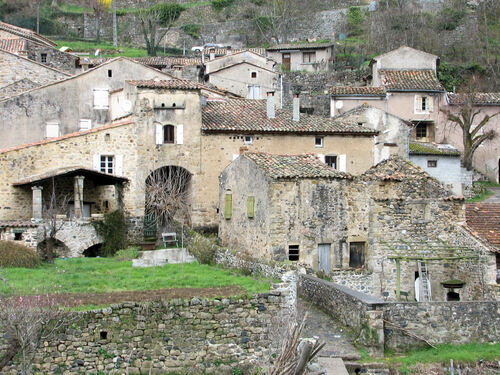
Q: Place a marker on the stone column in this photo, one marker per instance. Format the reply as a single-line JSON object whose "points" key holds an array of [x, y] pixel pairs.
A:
{"points": [[119, 196], [37, 202], [78, 190]]}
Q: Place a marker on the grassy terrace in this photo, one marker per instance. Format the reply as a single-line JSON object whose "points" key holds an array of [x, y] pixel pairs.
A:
{"points": [[105, 275]]}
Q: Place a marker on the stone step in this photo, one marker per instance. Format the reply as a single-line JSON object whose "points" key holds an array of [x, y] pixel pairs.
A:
{"points": [[333, 366], [162, 256]]}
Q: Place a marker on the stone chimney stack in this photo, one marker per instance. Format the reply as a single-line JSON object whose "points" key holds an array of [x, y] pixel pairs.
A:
{"points": [[271, 113], [243, 149], [296, 106]]}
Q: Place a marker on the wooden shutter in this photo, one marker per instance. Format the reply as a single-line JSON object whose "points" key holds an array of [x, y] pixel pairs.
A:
{"points": [[159, 134], [180, 134], [250, 206], [101, 99], [342, 163], [51, 130], [228, 206], [430, 104], [96, 163], [321, 157], [418, 104], [119, 165]]}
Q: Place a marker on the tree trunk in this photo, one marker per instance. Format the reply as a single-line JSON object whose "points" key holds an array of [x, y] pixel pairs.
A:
{"points": [[97, 28], [115, 25], [38, 18]]}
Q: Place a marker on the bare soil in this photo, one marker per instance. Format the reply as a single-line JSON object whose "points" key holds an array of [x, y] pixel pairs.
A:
{"points": [[79, 299]]}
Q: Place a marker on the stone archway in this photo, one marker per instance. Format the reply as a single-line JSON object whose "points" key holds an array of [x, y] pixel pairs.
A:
{"points": [[59, 248], [167, 197], [78, 236]]}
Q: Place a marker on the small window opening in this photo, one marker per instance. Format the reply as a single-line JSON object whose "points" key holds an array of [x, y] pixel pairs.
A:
{"points": [[254, 74], [356, 254], [173, 105], [168, 134], [106, 204], [331, 160], [103, 335], [318, 141], [18, 236], [163, 105], [43, 57], [110, 73], [107, 137], [432, 163], [248, 139], [452, 296], [421, 131], [293, 253]]}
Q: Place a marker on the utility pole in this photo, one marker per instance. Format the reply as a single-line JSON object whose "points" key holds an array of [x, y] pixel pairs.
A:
{"points": [[115, 26]]}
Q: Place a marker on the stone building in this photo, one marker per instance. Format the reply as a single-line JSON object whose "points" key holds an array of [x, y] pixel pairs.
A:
{"points": [[246, 74], [20, 74], [310, 57], [378, 232], [29, 44], [76, 103]]}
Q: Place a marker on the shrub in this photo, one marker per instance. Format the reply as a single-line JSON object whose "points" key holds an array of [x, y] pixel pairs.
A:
{"points": [[13, 254], [192, 29], [113, 230], [202, 248], [218, 5], [127, 254], [355, 19]]}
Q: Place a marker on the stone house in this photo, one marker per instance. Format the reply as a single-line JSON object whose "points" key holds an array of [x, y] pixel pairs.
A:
{"points": [[377, 232], [404, 84], [173, 126], [20, 74], [487, 155], [76, 103], [309, 57], [211, 53], [29, 44], [246, 74]]}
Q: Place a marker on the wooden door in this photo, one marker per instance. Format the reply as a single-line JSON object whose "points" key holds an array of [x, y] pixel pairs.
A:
{"points": [[324, 257], [286, 61]]}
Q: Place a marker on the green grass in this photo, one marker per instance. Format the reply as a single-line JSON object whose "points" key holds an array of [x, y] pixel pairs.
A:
{"points": [[74, 9], [108, 50], [101, 275], [195, 4], [488, 183], [466, 353], [480, 197]]}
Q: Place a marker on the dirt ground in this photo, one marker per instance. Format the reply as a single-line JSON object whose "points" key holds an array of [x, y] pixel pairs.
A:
{"points": [[79, 299]]}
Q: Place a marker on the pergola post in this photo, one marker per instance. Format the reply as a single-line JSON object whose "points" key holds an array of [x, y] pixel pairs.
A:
{"points": [[37, 202], [78, 197]]}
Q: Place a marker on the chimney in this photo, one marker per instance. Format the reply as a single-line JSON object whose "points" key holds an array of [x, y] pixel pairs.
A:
{"points": [[243, 150], [270, 105], [212, 54], [296, 106]]}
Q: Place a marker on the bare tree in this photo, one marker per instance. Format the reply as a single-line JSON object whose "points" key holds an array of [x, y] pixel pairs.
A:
{"points": [[160, 16], [168, 194], [472, 121], [28, 321]]}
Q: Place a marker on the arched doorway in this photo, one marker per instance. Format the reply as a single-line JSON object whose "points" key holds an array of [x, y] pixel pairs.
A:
{"points": [[53, 245], [92, 251], [168, 199]]}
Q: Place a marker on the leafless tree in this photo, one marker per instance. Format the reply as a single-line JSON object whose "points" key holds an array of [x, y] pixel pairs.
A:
{"points": [[54, 206], [28, 321], [472, 121], [168, 194]]}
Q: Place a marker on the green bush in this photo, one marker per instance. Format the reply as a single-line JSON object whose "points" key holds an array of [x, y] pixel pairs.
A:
{"points": [[13, 254], [127, 254], [201, 247], [113, 230], [355, 20], [218, 5], [449, 18], [192, 29]]}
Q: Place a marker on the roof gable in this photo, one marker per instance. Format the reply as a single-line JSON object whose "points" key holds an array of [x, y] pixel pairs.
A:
{"points": [[405, 49], [26, 33], [410, 80], [295, 46], [361, 109], [478, 98]]}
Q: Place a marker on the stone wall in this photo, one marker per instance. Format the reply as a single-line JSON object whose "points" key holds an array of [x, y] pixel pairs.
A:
{"points": [[199, 336], [54, 58], [359, 280]]}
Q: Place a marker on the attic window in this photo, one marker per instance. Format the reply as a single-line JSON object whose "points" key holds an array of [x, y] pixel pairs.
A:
{"points": [[248, 139], [293, 253], [110, 73], [432, 163], [43, 58], [254, 74], [318, 141]]}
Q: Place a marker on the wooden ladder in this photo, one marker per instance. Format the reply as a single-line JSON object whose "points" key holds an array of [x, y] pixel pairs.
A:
{"points": [[425, 285]]}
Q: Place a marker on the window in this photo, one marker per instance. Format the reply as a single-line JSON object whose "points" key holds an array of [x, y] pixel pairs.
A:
{"points": [[251, 207], [356, 254], [168, 134], [331, 160], [110, 73], [85, 124], [228, 206], [293, 253], [18, 236], [254, 75], [43, 58], [253, 92], [421, 130], [308, 57], [432, 163], [248, 139], [106, 164], [101, 98], [318, 141], [52, 130], [423, 104]]}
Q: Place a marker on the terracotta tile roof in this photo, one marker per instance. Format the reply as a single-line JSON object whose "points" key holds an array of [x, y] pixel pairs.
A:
{"points": [[100, 178], [13, 45], [168, 60], [26, 34], [177, 84], [410, 80], [428, 148], [17, 224], [484, 219], [219, 51], [250, 116], [478, 98], [294, 166], [357, 91], [292, 46], [70, 135]]}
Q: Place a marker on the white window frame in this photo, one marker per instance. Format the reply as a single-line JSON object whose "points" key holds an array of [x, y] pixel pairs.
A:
{"points": [[52, 130], [336, 161], [321, 143], [85, 124], [101, 98], [248, 139], [109, 163], [423, 104], [253, 92]]}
